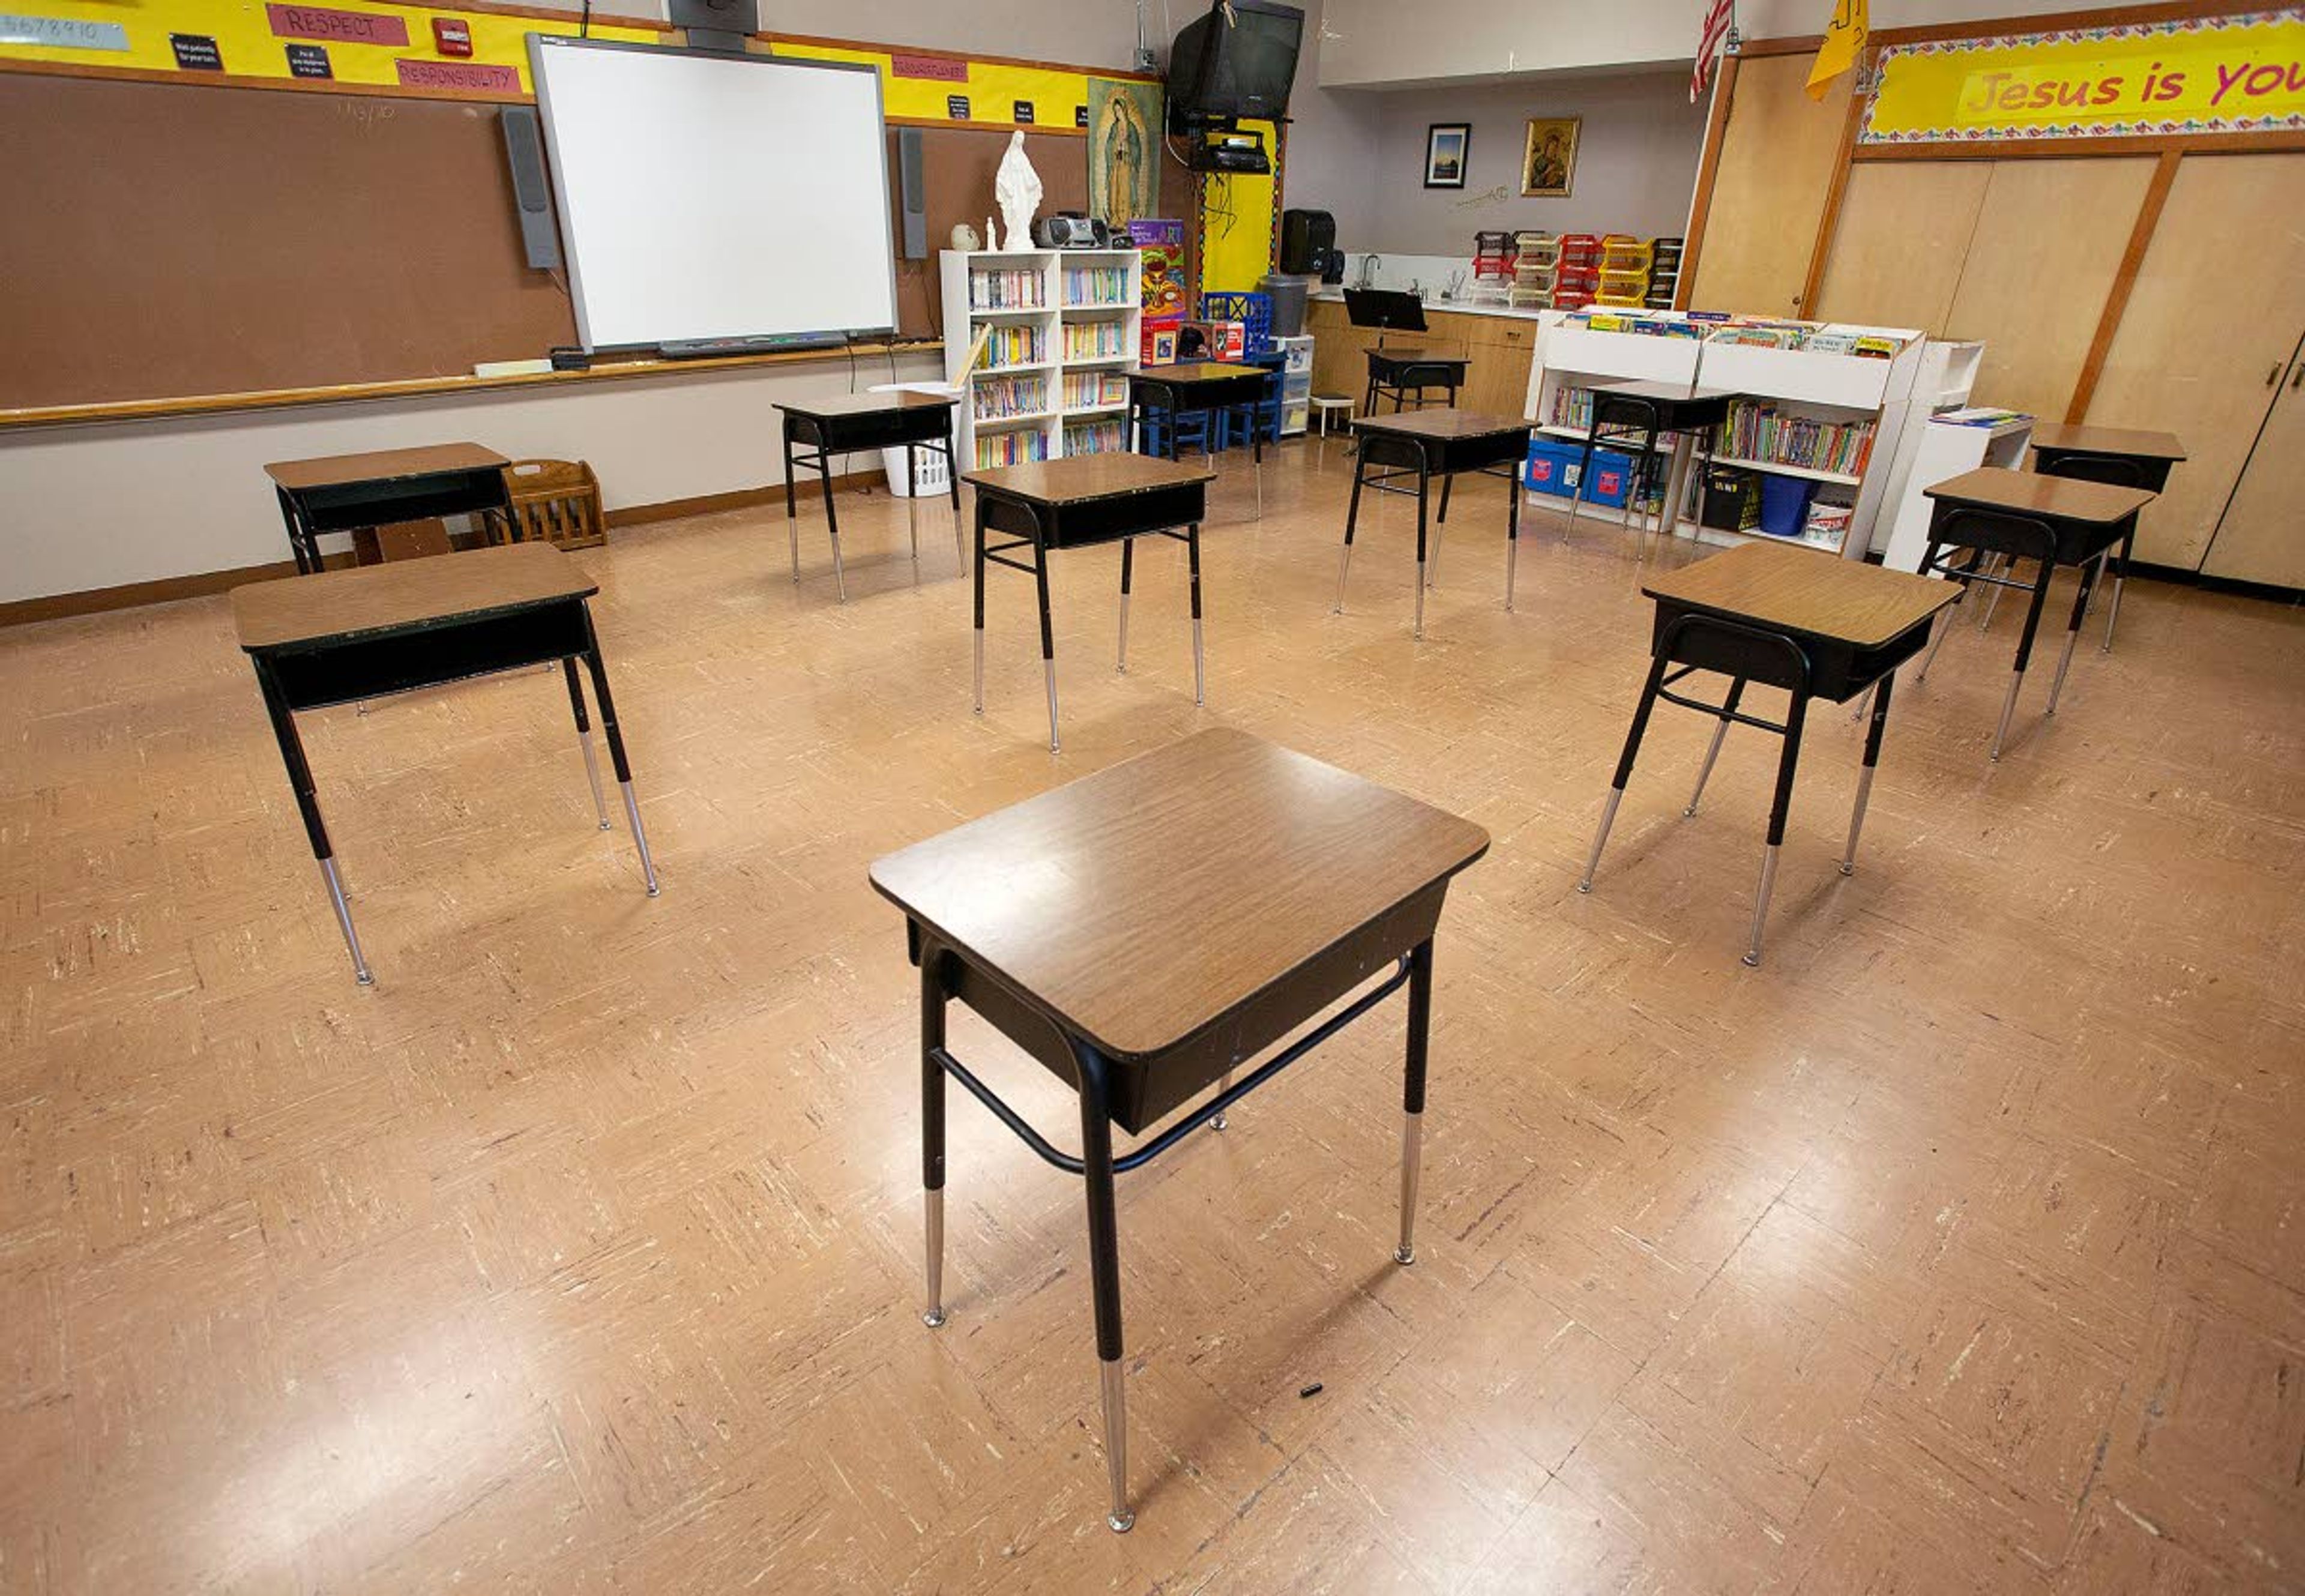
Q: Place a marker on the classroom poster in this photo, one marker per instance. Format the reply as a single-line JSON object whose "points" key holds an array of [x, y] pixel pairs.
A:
{"points": [[2210, 75], [1124, 149]]}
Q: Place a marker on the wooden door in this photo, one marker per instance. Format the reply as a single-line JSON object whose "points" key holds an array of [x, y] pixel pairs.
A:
{"points": [[2205, 344], [1903, 234], [2262, 535], [2048, 244], [1778, 152]]}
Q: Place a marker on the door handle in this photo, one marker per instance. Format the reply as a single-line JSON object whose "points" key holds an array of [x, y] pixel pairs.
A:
{"points": [[2273, 376], [2300, 378]]}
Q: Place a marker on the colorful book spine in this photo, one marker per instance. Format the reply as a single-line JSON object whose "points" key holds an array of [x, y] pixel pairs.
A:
{"points": [[1014, 347], [1097, 286], [1012, 448], [992, 289], [1002, 398], [1095, 340], [1093, 390], [1762, 432], [1094, 437]]}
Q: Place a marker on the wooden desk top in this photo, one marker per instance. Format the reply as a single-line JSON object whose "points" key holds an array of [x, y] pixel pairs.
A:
{"points": [[1188, 372], [865, 404], [1796, 590], [382, 466], [2056, 498], [1144, 902], [1413, 354], [403, 595], [1668, 392], [1079, 478], [2109, 440], [1442, 424]]}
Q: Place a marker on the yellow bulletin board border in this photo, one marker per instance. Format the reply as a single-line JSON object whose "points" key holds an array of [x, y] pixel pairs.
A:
{"points": [[2219, 76], [917, 86]]}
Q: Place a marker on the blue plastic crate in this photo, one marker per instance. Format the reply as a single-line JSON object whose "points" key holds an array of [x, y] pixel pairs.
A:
{"points": [[1552, 465]]}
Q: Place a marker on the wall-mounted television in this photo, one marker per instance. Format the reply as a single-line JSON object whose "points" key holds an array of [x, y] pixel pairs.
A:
{"points": [[1235, 62]]}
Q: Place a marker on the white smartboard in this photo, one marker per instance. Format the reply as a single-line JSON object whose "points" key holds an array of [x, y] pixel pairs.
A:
{"points": [[707, 196]]}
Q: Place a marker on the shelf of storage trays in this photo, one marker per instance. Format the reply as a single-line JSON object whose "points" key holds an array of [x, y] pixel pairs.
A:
{"points": [[1840, 405], [1057, 326]]}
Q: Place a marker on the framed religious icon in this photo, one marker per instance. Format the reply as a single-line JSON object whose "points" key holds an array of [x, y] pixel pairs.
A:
{"points": [[1446, 144], [1549, 162]]}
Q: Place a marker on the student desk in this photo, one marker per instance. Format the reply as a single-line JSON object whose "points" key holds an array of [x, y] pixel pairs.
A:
{"points": [[1142, 933], [1400, 374], [1071, 503], [1644, 411], [1814, 625], [2056, 520], [344, 636], [1426, 443], [2120, 455], [852, 422], [1208, 386], [351, 493]]}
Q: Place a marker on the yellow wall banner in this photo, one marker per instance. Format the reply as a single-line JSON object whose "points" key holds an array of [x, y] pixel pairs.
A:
{"points": [[2214, 75]]}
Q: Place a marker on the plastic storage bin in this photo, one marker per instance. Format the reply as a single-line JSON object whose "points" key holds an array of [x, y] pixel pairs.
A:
{"points": [[930, 476], [1732, 500], [1254, 312], [1552, 467], [1785, 504]]}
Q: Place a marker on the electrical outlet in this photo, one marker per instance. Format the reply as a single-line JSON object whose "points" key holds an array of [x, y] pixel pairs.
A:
{"points": [[1146, 61]]}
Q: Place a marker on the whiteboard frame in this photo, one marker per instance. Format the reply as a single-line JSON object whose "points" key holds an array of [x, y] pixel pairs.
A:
{"points": [[540, 42]]}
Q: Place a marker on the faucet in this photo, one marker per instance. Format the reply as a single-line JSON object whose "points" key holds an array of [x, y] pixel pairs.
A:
{"points": [[1369, 264]]}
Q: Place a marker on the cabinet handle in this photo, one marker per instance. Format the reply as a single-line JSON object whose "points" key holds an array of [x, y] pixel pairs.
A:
{"points": [[2273, 376], [2300, 378]]}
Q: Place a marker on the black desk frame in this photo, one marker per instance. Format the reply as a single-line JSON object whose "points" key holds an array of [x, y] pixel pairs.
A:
{"points": [[358, 506], [316, 673], [1403, 376], [1807, 666], [1208, 397], [812, 439], [1647, 417], [1983, 531], [1134, 1093], [2149, 472], [1385, 457], [1042, 525]]}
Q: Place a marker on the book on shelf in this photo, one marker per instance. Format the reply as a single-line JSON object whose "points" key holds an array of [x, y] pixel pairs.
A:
{"points": [[1095, 438], [1002, 398], [1013, 347], [992, 288], [1095, 340], [1089, 390], [1012, 448], [1097, 287], [1982, 415], [1758, 430]]}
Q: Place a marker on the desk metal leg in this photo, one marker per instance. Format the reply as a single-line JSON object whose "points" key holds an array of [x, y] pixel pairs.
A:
{"points": [[1512, 533], [1192, 560], [1640, 726], [1048, 631], [2024, 652], [1865, 777], [980, 603], [831, 518], [616, 750], [1447, 482], [1127, 561], [1412, 1094], [304, 548], [792, 507], [1786, 763], [1713, 750], [584, 741], [932, 1006], [913, 506], [1944, 616], [1424, 481], [2073, 630], [299, 778], [1104, 1274], [2120, 580], [952, 489], [1352, 518]]}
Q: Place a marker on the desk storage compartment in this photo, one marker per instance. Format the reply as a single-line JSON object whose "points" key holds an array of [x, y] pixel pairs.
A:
{"points": [[1837, 671]]}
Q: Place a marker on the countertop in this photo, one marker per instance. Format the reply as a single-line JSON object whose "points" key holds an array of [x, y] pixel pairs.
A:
{"points": [[1335, 296]]}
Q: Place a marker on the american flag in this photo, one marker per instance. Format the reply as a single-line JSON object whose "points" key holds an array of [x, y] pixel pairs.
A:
{"points": [[1718, 17]]}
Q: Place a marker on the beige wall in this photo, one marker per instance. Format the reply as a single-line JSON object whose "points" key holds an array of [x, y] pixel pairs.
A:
{"points": [[1635, 163]]}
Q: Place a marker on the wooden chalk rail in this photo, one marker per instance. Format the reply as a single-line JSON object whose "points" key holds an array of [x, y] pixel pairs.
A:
{"points": [[350, 393]]}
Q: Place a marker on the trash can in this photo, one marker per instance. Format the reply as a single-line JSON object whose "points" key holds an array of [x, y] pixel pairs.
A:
{"points": [[1287, 293]]}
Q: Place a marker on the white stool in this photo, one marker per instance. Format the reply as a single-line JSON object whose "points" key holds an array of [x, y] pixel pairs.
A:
{"points": [[1325, 405]]}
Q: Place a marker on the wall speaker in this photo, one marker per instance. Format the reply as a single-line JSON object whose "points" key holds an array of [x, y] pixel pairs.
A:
{"points": [[913, 195], [532, 191]]}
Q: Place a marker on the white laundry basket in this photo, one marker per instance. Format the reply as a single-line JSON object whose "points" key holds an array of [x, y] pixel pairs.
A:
{"points": [[932, 479]]}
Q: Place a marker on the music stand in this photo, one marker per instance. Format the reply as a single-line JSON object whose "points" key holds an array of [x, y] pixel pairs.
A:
{"points": [[1387, 309]]}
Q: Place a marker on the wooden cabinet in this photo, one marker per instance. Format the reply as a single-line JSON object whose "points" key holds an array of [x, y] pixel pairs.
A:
{"points": [[1778, 157], [2262, 535], [2205, 344], [1497, 350]]}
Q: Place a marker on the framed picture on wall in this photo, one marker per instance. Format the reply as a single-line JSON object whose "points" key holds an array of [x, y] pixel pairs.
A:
{"points": [[1549, 162], [1446, 145]]}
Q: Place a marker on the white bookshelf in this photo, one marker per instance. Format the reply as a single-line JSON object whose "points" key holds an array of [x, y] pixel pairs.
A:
{"points": [[1942, 449], [1029, 386], [1891, 396]]}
